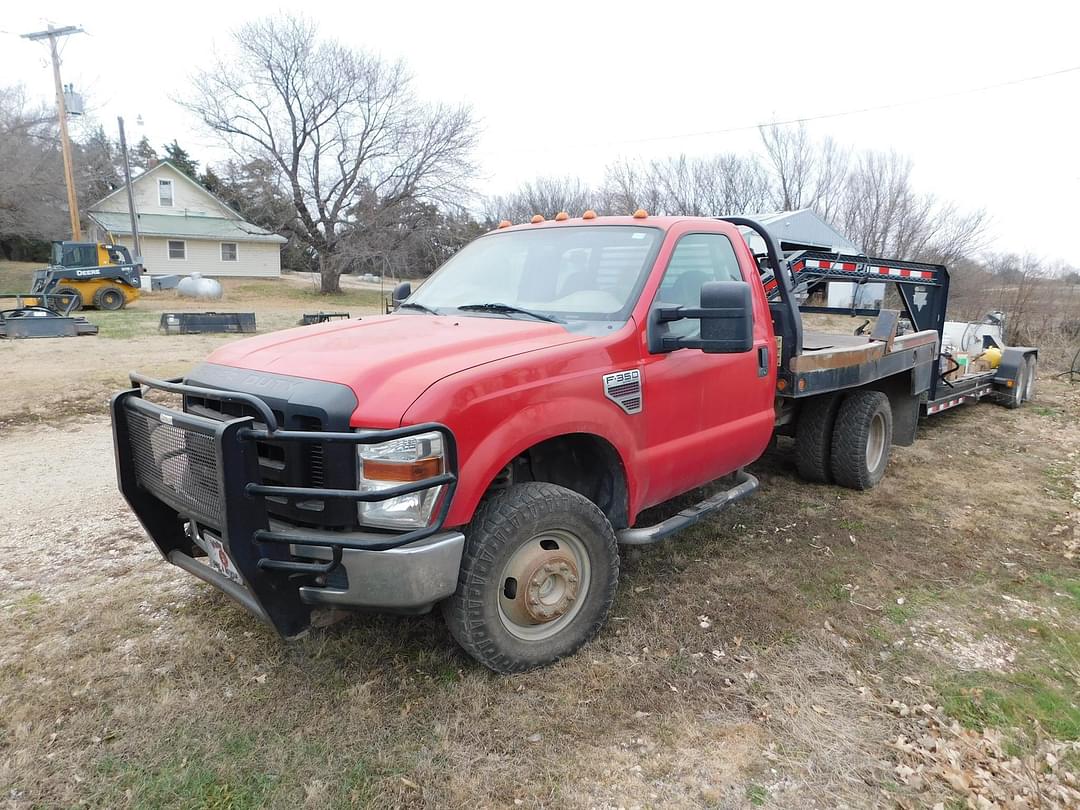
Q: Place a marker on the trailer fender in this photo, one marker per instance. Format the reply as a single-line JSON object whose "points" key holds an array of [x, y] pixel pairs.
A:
{"points": [[1013, 362]]}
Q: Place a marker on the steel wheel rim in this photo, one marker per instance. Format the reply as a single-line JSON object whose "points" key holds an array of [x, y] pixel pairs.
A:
{"points": [[875, 442], [550, 573]]}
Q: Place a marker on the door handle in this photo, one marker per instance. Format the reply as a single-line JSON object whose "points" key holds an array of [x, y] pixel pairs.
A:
{"points": [[762, 361]]}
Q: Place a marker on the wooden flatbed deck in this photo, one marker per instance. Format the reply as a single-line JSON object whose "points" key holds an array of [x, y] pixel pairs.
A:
{"points": [[827, 350]]}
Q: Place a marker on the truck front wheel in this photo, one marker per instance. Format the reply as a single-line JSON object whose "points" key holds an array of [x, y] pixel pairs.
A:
{"points": [[538, 576], [862, 439]]}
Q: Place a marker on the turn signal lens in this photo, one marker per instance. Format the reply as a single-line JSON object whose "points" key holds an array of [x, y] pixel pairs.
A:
{"points": [[402, 471], [537, 218]]}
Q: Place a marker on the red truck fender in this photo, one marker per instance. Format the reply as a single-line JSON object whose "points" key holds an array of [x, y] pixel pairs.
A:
{"points": [[486, 448]]}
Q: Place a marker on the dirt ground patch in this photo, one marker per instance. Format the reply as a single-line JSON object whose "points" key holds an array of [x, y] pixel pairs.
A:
{"points": [[44, 378], [772, 656]]}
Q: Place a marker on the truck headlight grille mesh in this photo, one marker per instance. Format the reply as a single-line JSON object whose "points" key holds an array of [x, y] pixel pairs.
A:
{"points": [[178, 466]]}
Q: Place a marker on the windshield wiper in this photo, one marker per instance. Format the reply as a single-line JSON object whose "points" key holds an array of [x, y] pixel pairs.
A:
{"points": [[415, 305], [508, 309]]}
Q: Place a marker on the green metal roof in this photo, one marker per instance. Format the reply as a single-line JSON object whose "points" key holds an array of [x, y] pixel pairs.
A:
{"points": [[187, 226]]}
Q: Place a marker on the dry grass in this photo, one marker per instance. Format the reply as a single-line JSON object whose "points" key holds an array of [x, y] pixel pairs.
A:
{"points": [[125, 683]]}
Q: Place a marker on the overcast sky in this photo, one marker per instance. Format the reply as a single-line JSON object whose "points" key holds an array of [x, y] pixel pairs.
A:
{"points": [[566, 88]]}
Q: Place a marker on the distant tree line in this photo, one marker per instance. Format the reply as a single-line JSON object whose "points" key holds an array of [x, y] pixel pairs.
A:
{"points": [[866, 195]]}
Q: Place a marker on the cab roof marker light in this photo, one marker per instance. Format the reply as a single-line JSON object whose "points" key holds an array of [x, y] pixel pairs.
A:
{"points": [[562, 216], [537, 218], [505, 223], [641, 213], [590, 214]]}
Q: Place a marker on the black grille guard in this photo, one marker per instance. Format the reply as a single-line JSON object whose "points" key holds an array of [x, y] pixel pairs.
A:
{"points": [[176, 468]]}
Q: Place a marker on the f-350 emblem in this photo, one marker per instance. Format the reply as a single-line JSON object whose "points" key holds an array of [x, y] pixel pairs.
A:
{"points": [[624, 389]]}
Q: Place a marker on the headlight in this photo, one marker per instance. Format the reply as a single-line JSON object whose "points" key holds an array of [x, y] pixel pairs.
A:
{"points": [[397, 462]]}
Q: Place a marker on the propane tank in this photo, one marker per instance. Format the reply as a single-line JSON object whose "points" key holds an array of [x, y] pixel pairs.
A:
{"points": [[992, 356], [195, 286]]}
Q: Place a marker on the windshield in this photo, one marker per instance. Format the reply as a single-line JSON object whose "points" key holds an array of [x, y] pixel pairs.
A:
{"points": [[587, 272]]}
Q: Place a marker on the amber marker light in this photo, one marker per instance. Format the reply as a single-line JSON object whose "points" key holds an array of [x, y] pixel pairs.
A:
{"points": [[641, 213], [404, 471], [590, 214], [505, 223], [562, 216], [537, 218]]}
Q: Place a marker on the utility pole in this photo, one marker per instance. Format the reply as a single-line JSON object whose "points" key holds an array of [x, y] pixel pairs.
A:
{"points": [[52, 34], [131, 197]]}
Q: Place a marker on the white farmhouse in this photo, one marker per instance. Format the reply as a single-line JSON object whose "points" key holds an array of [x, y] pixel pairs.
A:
{"points": [[185, 229]]}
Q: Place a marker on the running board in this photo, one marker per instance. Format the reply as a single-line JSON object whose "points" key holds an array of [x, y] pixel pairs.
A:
{"points": [[745, 484]]}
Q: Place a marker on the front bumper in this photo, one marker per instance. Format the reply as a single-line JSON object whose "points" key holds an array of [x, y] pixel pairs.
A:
{"points": [[194, 484]]}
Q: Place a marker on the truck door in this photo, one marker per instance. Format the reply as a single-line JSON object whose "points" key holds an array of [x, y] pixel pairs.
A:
{"points": [[706, 414]]}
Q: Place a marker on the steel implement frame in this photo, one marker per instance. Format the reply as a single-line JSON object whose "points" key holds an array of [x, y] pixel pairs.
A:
{"points": [[923, 290], [271, 577]]}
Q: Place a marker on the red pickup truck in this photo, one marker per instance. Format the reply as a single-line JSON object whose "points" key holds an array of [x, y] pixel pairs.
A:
{"points": [[489, 445]]}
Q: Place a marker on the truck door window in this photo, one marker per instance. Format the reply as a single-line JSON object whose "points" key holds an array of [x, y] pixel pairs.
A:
{"points": [[698, 258]]}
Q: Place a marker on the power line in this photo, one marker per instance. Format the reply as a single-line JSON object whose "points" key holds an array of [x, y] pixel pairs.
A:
{"points": [[861, 110], [824, 116]]}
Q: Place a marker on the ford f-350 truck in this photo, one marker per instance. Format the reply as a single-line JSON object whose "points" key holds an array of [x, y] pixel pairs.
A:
{"points": [[489, 445]]}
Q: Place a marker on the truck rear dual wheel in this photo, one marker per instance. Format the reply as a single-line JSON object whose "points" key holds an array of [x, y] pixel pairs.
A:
{"points": [[813, 438], [861, 439], [538, 576]]}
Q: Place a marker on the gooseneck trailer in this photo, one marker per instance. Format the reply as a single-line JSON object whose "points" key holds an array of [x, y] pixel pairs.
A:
{"points": [[488, 446]]}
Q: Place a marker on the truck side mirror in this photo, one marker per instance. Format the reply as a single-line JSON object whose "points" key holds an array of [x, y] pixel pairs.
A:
{"points": [[401, 292], [725, 314]]}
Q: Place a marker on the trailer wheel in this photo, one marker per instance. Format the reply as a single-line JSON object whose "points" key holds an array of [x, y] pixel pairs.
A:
{"points": [[538, 576], [1014, 397], [76, 297], [110, 298], [813, 438], [862, 439], [1030, 371]]}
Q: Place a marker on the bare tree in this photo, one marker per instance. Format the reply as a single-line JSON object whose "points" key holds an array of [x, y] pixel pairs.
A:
{"points": [[789, 153], [336, 122], [546, 196], [805, 173], [686, 186], [880, 210], [627, 187], [32, 200]]}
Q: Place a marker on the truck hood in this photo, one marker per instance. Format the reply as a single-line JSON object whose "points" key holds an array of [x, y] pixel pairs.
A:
{"points": [[390, 360]]}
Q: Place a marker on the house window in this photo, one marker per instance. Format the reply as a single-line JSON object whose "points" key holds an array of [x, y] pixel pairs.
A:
{"points": [[228, 251], [177, 249], [165, 193]]}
